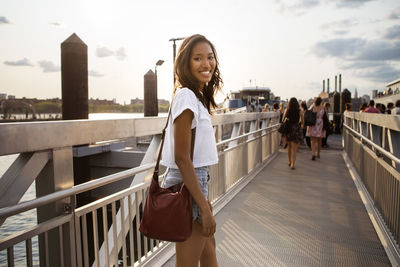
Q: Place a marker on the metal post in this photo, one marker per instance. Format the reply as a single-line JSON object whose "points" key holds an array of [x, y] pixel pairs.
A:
{"points": [[174, 54], [173, 62], [56, 175], [323, 86], [341, 95]]}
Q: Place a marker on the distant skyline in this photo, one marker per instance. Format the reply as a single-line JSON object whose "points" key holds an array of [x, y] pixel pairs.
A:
{"points": [[289, 46]]}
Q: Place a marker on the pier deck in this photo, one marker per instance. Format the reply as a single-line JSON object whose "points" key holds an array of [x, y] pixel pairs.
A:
{"points": [[310, 216]]}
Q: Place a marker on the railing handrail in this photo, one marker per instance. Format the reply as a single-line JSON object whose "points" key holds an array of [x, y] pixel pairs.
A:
{"points": [[27, 205], [380, 149], [28, 136], [388, 121], [246, 134], [40, 201]]}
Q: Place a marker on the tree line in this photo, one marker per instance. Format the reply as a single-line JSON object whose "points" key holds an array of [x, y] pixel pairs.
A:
{"points": [[51, 107]]}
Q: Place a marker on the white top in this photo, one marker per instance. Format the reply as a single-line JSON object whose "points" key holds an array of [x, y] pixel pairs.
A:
{"points": [[205, 150], [396, 111]]}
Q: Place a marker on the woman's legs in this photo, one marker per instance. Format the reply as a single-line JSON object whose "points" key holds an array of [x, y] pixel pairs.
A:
{"points": [[294, 146], [313, 142], [196, 248], [289, 152], [209, 257], [319, 146]]}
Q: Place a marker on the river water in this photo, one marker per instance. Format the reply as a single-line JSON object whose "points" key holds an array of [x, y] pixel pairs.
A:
{"points": [[27, 219]]}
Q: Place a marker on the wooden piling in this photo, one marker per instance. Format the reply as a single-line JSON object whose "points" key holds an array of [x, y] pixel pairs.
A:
{"points": [[150, 94]]}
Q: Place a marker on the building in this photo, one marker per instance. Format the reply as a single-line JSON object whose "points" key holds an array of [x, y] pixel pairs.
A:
{"points": [[391, 94], [366, 98], [11, 96], [137, 101], [3, 96], [394, 86]]}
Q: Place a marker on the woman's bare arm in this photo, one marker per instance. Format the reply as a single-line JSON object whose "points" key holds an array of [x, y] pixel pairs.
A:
{"points": [[182, 137]]}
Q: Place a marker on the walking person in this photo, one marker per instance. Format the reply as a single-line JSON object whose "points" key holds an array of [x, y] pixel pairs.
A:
{"points": [[266, 108], [317, 132], [198, 79], [303, 108], [324, 141], [294, 137], [371, 107], [396, 110]]}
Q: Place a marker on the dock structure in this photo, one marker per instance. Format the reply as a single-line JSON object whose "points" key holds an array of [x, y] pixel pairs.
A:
{"points": [[341, 210]]}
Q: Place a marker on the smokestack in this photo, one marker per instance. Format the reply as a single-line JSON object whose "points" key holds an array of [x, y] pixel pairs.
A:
{"points": [[335, 83], [328, 85], [323, 86], [340, 83]]}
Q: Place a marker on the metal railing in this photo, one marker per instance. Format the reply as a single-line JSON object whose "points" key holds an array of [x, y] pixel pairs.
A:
{"points": [[105, 232], [364, 138]]}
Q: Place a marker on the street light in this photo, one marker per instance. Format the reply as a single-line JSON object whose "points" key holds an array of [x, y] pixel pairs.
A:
{"points": [[159, 63], [174, 51]]}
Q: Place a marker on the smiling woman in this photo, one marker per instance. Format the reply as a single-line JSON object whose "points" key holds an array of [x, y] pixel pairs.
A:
{"points": [[202, 63], [190, 148]]}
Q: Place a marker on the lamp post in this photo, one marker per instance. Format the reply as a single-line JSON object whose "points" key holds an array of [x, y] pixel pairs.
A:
{"points": [[159, 63], [174, 52]]}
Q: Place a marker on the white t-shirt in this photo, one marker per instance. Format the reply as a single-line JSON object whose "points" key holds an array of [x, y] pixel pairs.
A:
{"points": [[205, 150], [396, 111]]}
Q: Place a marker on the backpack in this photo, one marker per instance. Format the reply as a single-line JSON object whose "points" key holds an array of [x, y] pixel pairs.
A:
{"points": [[310, 118]]}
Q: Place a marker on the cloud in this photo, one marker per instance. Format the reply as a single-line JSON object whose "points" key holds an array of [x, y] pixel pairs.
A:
{"points": [[394, 14], [4, 20], [380, 50], [358, 49], [95, 74], [368, 59], [340, 32], [359, 65], [56, 24], [21, 62], [393, 33], [120, 54], [345, 23], [345, 47], [48, 66], [104, 52], [296, 7], [351, 3], [382, 72]]}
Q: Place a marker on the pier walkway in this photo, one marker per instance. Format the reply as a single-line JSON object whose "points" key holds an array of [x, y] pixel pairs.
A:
{"points": [[340, 210], [310, 216]]}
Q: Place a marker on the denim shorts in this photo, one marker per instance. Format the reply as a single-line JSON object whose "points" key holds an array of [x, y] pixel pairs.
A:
{"points": [[173, 177]]}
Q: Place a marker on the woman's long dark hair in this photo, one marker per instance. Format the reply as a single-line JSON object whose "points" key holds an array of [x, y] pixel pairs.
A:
{"points": [[184, 77], [293, 111]]}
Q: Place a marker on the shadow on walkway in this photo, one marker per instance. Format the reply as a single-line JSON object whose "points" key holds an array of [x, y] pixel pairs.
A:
{"points": [[310, 216]]}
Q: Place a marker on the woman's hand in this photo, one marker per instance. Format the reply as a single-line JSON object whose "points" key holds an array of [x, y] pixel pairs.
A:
{"points": [[208, 222]]}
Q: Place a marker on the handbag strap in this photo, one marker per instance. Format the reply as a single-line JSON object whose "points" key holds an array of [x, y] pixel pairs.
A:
{"points": [[156, 168]]}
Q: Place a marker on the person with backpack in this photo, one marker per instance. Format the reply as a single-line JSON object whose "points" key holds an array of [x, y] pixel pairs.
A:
{"points": [[316, 132]]}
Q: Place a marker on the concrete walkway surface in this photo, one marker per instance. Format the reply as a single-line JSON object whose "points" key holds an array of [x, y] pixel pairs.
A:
{"points": [[310, 216]]}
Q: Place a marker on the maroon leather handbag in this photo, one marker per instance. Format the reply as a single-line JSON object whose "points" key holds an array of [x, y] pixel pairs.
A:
{"points": [[167, 214]]}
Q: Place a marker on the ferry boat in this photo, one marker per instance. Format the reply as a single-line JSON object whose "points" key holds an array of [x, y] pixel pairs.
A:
{"points": [[252, 97]]}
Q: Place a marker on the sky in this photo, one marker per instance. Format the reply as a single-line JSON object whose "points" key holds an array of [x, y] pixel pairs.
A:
{"points": [[289, 46]]}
